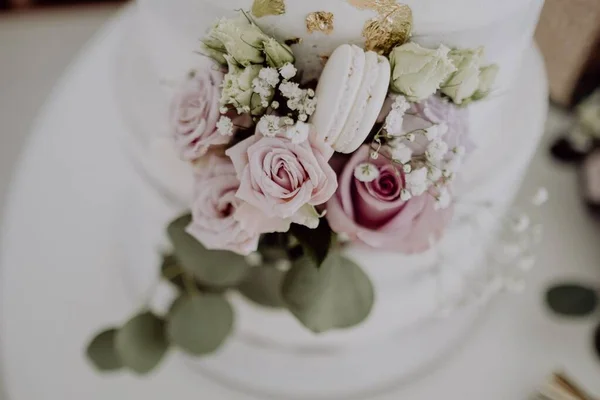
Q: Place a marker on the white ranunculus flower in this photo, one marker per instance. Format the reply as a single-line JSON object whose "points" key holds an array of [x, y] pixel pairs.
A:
{"points": [[464, 82], [238, 37], [418, 72]]}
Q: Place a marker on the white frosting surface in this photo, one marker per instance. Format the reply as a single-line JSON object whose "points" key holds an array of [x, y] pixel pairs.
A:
{"points": [[163, 45]]}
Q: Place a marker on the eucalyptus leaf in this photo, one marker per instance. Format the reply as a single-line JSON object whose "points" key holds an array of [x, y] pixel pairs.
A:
{"points": [[199, 323], [572, 300], [102, 353], [169, 271], [141, 343], [263, 286], [336, 295], [213, 268], [315, 242], [597, 341]]}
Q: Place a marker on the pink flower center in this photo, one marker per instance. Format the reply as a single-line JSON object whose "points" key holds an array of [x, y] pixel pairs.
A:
{"points": [[287, 172], [388, 185]]}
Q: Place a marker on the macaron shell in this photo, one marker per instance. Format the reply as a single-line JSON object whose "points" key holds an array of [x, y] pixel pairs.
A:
{"points": [[367, 105], [336, 91]]}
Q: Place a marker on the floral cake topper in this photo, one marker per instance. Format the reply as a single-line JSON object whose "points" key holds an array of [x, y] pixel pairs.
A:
{"points": [[289, 172]]}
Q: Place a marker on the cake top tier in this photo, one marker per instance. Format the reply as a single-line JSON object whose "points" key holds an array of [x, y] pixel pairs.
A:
{"points": [[173, 29], [349, 15]]}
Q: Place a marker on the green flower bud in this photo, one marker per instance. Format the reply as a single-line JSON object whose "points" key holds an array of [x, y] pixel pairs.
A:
{"points": [[462, 84], [277, 54], [487, 77], [215, 50]]}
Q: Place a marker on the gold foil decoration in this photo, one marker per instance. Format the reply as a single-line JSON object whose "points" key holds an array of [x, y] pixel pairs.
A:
{"points": [[320, 21], [390, 28], [262, 8]]}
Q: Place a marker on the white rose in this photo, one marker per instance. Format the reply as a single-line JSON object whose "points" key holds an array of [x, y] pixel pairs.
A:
{"points": [[464, 82], [417, 72], [237, 37]]}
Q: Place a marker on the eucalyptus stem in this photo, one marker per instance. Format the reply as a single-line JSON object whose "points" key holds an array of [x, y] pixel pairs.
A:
{"points": [[189, 284]]}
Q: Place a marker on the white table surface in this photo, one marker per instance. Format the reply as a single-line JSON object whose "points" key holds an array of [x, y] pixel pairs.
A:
{"points": [[53, 35], [518, 346]]}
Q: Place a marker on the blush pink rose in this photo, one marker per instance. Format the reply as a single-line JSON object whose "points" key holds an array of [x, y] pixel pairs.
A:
{"points": [[373, 213], [195, 112], [281, 181], [213, 223]]}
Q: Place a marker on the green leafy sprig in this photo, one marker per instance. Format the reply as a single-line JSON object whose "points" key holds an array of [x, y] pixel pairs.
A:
{"points": [[302, 271]]}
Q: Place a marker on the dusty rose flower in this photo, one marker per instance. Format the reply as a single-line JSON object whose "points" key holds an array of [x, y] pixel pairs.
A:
{"points": [[374, 213], [281, 181], [195, 113], [214, 206]]}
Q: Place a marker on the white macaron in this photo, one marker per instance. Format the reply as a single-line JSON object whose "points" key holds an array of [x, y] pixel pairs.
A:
{"points": [[350, 94]]}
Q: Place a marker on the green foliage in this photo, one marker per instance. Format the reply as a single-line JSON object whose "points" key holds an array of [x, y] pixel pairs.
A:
{"points": [[141, 343], [336, 295], [212, 268], [263, 286], [199, 323], [572, 300], [315, 242], [102, 353], [597, 341]]}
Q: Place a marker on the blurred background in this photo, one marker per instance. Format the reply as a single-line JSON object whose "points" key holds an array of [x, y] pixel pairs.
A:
{"points": [[38, 39]]}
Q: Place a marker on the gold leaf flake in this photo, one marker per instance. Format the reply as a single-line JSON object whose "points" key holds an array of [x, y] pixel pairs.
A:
{"points": [[261, 8], [320, 21], [324, 59], [390, 28]]}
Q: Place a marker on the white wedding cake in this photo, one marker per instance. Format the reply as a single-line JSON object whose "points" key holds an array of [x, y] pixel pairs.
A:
{"points": [[455, 277]]}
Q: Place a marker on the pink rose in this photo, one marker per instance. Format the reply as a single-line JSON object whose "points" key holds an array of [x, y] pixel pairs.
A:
{"points": [[374, 213], [195, 112], [214, 206], [281, 181]]}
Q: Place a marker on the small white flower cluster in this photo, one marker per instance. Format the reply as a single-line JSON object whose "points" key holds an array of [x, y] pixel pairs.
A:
{"points": [[264, 85], [366, 172], [301, 100], [436, 167], [395, 118], [273, 125], [225, 125]]}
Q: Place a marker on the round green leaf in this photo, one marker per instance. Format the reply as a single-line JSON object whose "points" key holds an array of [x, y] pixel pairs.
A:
{"points": [[210, 267], [102, 353], [336, 295], [141, 343], [263, 286], [572, 300], [200, 323], [597, 341]]}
